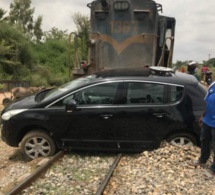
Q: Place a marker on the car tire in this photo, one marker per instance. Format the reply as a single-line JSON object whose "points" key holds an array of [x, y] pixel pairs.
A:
{"points": [[182, 139], [37, 144]]}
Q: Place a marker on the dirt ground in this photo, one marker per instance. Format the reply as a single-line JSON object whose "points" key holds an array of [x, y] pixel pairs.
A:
{"points": [[5, 151], [12, 165], [2, 96], [9, 157]]}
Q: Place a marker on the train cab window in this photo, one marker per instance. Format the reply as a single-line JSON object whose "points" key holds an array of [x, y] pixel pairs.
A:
{"points": [[101, 15], [141, 14]]}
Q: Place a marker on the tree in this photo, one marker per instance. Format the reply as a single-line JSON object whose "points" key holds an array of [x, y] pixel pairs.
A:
{"points": [[52, 55], [82, 23], [15, 52], [2, 13], [37, 28], [210, 62], [5, 52], [55, 33], [21, 14], [179, 63]]}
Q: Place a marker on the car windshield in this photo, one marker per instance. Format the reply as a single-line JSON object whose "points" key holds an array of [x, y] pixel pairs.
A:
{"points": [[63, 88]]}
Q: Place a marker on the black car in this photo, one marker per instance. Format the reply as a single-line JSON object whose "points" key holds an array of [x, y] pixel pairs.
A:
{"points": [[112, 110]]}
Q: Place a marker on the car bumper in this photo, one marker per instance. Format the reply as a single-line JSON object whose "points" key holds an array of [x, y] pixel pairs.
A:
{"points": [[9, 135]]}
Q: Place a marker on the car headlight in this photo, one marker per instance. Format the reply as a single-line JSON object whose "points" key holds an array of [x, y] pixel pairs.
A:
{"points": [[7, 115]]}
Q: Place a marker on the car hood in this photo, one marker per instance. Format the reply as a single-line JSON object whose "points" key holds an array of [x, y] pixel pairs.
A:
{"points": [[24, 103]]}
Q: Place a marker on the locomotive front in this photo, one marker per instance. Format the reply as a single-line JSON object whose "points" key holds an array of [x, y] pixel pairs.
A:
{"points": [[128, 34]]}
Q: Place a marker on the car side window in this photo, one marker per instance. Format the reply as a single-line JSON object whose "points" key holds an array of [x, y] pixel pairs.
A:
{"points": [[145, 93], [98, 94], [176, 93]]}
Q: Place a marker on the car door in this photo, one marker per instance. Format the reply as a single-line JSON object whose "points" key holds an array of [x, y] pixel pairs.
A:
{"points": [[143, 115], [91, 124]]}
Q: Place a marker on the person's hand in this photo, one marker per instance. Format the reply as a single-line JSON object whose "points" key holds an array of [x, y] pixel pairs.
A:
{"points": [[200, 121]]}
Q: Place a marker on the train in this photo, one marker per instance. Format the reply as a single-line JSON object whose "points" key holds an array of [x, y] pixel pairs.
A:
{"points": [[127, 34]]}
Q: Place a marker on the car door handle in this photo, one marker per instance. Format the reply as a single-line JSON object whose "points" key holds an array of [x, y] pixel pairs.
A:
{"points": [[106, 116], [159, 115]]}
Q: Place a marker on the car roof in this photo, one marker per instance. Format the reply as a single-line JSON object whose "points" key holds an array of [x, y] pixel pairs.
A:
{"points": [[156, 74]]}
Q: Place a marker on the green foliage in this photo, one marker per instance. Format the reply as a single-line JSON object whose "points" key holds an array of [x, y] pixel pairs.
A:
{"points": [[82, 23], [1, 86], [55, 33], [38, 80], [57, 80], [2, 13], [24, 57], [21, 14], [179, 64], [37, 28], [15, 51], [210, 62], [52, 55]]}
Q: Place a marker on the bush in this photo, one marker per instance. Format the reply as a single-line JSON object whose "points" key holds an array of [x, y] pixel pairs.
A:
{"points": [[38, 80]]}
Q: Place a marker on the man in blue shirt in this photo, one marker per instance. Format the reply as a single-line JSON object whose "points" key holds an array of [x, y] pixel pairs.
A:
{"points": [[207, 123]]}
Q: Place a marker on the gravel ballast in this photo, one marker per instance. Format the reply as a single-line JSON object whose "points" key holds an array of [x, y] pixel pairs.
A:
{"points": [[159, 172]]}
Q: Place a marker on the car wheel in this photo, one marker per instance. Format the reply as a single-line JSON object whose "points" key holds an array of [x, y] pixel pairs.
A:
{"points": [[182, 139], [37, 144]]}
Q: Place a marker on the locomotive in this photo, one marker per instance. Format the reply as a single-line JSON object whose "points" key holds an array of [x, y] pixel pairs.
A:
{"points": [[127, 34]]}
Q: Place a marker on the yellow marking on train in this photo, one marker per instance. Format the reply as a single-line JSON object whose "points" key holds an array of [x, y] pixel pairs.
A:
{"points": [[119, 47]]}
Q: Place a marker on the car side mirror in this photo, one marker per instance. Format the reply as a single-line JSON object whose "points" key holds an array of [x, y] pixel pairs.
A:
{"points": [[71, 106]]}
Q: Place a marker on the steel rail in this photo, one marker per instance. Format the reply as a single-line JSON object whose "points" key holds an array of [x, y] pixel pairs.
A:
{"points": [[36, 174], [108, 176]]}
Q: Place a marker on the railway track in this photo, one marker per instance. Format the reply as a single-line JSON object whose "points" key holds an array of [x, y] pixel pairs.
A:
{"points": [[40, 172], [36, 174], [108, 176], [163, 171]]}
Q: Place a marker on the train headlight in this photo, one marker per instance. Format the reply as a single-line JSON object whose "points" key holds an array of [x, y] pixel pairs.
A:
{"points": [[121, 5]]}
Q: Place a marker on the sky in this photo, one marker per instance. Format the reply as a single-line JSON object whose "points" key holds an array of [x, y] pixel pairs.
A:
{"points": [[195, 22]]}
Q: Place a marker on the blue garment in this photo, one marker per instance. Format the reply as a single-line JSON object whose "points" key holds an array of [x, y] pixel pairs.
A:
{"points": [[207, 138], [209, 116], [208, 128]]}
